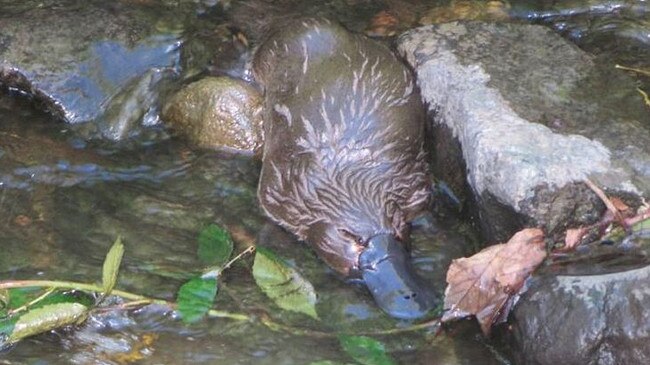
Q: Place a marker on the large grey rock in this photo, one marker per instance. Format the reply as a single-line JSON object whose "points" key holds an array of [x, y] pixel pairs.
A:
{"points": [[82, 59], [594, 311], [533, 116]]}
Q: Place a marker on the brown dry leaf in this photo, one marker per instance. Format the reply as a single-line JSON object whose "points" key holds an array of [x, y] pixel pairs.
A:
{"points": [[22, 220], [619, 204], [483, 284], [383, 24], [573, 238]]}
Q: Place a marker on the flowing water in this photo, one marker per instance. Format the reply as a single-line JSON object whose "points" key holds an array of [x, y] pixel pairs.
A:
{"points": [[64, 199]]}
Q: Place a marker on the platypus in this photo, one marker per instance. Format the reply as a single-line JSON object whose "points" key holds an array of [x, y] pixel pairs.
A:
{"points": [[343, 162]]}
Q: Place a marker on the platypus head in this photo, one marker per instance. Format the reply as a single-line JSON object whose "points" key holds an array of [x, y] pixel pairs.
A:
{"points": [[380, 259]]}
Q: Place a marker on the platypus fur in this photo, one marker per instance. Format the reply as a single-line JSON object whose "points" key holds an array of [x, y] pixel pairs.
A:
{"points": [[343, 162]]}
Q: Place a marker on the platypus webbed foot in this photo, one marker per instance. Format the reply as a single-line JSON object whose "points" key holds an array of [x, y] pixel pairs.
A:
{"points": [[387, 271]]}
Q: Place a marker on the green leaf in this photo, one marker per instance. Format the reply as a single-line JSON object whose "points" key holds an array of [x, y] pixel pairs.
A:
{"points": [[643, 225], [327, 362], [112, 266], [4, 299], [284, 285], [215, 245], [195, 298], [21, 296], [47, 318], [69, 296], [365, 350], [7, 326]]}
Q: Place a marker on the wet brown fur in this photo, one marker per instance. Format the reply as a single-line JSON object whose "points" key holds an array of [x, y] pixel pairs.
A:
{"points": [[343, 157]]}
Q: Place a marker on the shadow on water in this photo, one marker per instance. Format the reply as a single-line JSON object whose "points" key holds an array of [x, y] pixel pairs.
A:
{"points": [[64, 199]]}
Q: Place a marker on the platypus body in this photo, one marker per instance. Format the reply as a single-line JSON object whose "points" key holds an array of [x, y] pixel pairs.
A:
{"points": [[343, 160]]}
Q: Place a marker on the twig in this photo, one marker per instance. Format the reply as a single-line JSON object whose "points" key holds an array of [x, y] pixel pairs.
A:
{"points": [[637, 70], [216, 271], [644, 95], [31, 303], [608, 203]]}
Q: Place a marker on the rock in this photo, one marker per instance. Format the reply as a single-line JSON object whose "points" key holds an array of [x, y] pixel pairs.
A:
{"points": [[218, 112], [81, 60], [533, 116], [589, 312]]}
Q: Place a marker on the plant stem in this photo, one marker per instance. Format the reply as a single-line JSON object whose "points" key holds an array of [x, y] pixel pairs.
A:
{"points": [[120, 293], [264, 318]]}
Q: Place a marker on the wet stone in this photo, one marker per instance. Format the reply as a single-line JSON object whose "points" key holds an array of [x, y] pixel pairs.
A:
{"points": [[82, 59], [217, 112], [534, 116], [593, 311]]}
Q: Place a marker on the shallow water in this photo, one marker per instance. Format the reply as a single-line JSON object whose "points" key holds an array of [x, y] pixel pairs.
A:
{"points": [[64, 200]]}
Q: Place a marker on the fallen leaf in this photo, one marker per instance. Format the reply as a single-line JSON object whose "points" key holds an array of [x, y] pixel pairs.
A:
{"points": [[111, 266], [283, 284], [22, 220], [573, 238], [619, 204], [45, 319], [215, 246], [383, 24], [195, 298], [485, 284], [638, 218], [365, 350]]}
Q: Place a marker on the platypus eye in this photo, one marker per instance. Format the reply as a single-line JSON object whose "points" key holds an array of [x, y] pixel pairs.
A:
{"points": [[353, 237]]}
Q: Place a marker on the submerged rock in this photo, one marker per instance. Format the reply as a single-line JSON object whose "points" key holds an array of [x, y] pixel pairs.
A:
{"points": [[531, 116], [593, 311], [218, 112], [81, 59]]}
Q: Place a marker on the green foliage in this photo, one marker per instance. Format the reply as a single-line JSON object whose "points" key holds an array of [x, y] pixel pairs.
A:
{"points": [[112, 266], [14, 298], [7, 326], [283, 284], [215, 246], [365, 350], [643, 225], [4, 299], [195, 298], [66, 297], [46, 318]]}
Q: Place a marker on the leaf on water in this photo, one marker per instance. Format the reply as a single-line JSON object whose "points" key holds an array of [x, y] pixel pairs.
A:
{"points": [[4, 299], [485, 284], [6, 328], [639, 221], [643, 225], [112, 266], [215, 245], [47, 318], [284, 285], [365, 350], [195, 298]]}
